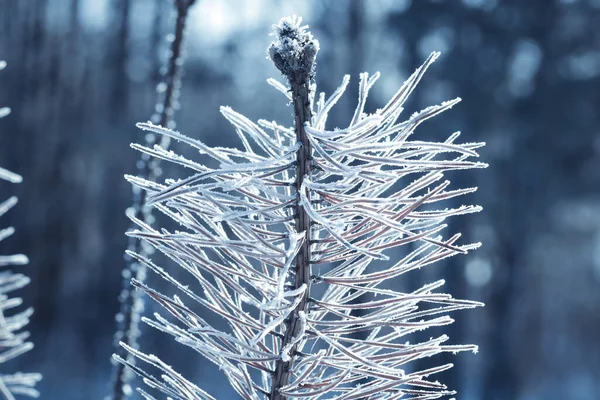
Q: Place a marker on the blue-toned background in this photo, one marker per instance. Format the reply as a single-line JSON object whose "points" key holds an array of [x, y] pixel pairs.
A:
{"points": [[82, 72]]}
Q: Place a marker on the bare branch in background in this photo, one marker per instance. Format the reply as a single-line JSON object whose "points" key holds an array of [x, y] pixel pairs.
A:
{"points": [[131, 301]]}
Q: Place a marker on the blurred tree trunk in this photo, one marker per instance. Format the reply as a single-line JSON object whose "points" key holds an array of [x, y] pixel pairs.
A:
{"points": [[356, 32], [118, 58]]}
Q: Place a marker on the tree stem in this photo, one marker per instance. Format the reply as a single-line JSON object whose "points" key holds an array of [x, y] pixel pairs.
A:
{"points": [[294, 55], [302, 112]]}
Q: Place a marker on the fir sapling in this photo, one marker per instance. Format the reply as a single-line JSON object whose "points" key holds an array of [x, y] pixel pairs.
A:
{"points": [[280, 238], [130, 300], [13, 341]]}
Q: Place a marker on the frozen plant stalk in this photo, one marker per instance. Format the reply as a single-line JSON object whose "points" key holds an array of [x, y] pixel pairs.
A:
{"points": [[301, 207], [13, 341], [294, 54]]}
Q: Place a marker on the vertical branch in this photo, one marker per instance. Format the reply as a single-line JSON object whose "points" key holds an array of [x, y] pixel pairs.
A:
{"points": [[294, 55], [131, 301], [171, 82], [156, 39]]}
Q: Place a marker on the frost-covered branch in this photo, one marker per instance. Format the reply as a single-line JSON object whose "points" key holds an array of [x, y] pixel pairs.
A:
{"points": [[292, 198], [13, 341]]}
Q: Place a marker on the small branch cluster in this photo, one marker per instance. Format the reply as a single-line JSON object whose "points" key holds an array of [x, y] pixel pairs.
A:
{"points": [[13, 341], [293, 208]]}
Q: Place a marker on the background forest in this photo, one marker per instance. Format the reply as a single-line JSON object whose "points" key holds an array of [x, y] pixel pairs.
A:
{"points": [[81, 73]]}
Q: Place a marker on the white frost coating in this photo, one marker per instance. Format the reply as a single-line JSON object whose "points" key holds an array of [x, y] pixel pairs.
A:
{"points": [[4, 111], [281, 87], [300, 335], [15, 259], [7, 205], [10, 176], [236, 237], [278, 300]]}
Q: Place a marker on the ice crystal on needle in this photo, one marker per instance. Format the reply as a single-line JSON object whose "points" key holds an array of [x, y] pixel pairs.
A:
{"points": [[296, 207]]}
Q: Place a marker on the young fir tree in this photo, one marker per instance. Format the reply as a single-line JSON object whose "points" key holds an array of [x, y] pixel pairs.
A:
{"points": [[13, 341], [281, 235]]}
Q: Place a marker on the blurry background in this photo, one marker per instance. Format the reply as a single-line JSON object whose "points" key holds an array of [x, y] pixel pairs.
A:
{"points": [[82, 72]]}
